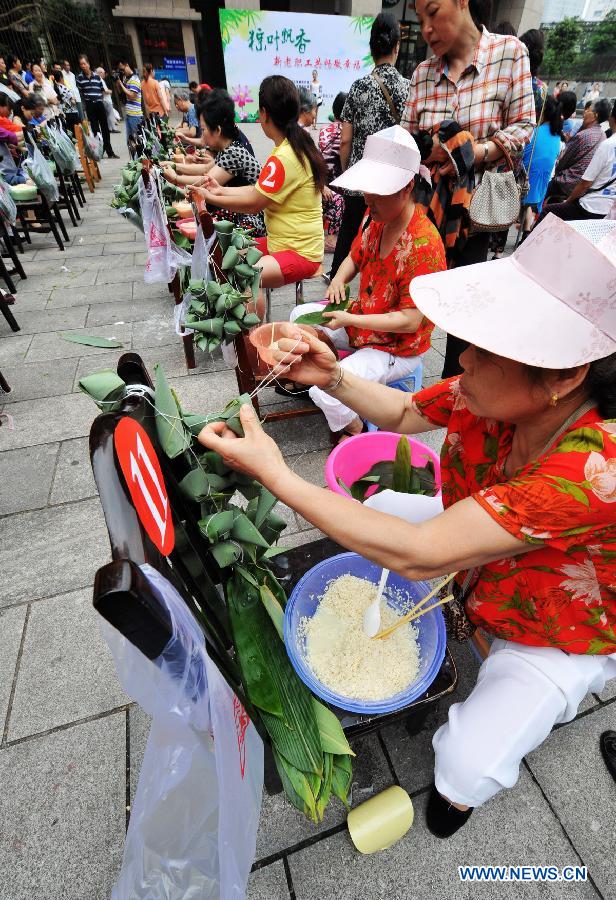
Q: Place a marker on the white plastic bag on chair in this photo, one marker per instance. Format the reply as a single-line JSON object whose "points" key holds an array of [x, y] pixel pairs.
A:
{"points": [[93, 145], [8, 209], [164, 257], [41, 174], [199, 268], [182, 842]]}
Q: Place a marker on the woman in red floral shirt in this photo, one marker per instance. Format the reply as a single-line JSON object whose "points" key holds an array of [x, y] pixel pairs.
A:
{"points": [[382, 326], [529, 489]]}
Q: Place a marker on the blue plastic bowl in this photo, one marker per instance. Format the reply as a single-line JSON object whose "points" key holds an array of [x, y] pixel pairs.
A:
{"points": [[303, 603]]}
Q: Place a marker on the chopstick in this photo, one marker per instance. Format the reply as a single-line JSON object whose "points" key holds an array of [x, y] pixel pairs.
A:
{"points": [[415, 612]]}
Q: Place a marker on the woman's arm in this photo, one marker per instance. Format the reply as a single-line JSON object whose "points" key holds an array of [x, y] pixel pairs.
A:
{"points": [[236, 199], [221, 175], [188, 136], [346, 140], [400, 321], [462, 537], [518, 112]]}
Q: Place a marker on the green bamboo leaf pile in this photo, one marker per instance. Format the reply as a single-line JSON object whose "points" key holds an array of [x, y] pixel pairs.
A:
{"points": [[397, 475], [217, 310], [310, 749]]}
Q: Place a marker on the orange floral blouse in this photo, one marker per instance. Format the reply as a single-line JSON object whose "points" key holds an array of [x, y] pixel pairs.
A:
{"points": [[384, 283], [563, 593]]}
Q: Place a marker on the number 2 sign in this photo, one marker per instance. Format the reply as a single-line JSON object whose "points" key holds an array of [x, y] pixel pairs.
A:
{"points": [[272, 175], [145, 482]]}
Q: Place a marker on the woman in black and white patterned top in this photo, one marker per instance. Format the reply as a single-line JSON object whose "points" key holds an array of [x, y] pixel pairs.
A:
{"points": [[374, 102], [233, 165]]}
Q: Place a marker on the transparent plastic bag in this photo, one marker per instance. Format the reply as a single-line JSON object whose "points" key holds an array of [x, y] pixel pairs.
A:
{"points": [[164, 257], [182, 843], [93, 145], [63, 150], [200, 265], [41, 174], [8, 209]]}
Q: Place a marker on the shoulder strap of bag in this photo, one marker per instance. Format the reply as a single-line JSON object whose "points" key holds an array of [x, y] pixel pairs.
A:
{"points": [[387, 96], [601, 188]]}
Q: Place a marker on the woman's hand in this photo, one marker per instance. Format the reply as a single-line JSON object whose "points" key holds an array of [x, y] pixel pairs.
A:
{"points": [[256, 454], [340, 318], [335, 292], [327, 193], [438, 154], [310, 361], [168, 173]]}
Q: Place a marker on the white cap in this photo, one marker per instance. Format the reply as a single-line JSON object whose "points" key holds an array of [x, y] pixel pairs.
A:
{"points": [[391, 160]]}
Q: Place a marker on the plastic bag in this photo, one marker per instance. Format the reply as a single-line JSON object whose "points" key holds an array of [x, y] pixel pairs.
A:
{"points": [[8, 209], [93, 145], [63, 151], [182, 844], [200, 265], [41, 174], [164, 257]]}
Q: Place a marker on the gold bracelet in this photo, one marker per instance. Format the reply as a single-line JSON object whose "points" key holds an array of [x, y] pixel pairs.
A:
{"points": [[333, 387]]}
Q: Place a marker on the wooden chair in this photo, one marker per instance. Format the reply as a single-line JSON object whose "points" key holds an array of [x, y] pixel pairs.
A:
{"points": [[7, 300], [47, 217], [90, 169]]}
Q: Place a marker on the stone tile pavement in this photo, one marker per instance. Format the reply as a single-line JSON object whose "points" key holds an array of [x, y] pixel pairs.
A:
{"points": [[72, 742]]}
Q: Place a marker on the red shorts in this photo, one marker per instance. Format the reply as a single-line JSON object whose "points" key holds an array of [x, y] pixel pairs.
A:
{"points": [[293, 266]]}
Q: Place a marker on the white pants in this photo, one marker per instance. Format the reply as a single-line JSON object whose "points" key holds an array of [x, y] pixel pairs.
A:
{"points": [[375, 365], [521, 694]]}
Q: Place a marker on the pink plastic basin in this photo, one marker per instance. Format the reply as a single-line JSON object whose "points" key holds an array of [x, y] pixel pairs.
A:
{"points": [[354, 457]]}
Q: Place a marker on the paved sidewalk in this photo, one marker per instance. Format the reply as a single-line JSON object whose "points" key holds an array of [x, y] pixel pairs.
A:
{"points": [[72, 742]]}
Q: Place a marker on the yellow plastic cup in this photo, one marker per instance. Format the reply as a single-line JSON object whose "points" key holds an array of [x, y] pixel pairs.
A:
{"points": [[381, 821]]}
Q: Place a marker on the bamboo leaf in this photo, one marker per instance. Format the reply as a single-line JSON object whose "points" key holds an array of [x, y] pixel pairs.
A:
{"points": [[326, 785], [199, 485], [243, 530], [90, 340], [230, 259], [296, 786], [342, 778], [273, 609], [251, 648], [333, 739], [402, 466], [172, 434], [318, 318], [216, 525], [266, 503], [102, 386], [226, 553]]}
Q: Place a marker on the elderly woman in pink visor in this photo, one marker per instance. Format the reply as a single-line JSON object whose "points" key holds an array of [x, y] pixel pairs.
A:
{"points": [[382, 327], [529, 490]]}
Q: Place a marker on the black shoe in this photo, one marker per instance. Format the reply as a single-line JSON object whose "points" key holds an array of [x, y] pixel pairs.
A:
{"points": [[112, 156], [442, 818], [607, 743]]}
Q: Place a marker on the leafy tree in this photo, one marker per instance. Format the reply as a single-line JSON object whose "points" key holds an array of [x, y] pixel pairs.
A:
{"points": [[562, 44], [603, 37]]}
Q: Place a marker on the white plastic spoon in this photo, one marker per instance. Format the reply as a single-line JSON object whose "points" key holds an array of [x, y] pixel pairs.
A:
{"points": [[372, 615]]}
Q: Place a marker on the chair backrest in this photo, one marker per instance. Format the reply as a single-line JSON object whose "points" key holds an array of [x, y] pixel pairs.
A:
{"points": [[150, 521]]}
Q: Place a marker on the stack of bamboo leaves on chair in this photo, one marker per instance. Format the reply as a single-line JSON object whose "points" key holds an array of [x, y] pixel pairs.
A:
{"points": [[218, 309], [310, 749]]}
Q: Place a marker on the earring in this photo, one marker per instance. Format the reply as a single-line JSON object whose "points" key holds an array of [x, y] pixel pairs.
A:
{"points": [[554, 400]]}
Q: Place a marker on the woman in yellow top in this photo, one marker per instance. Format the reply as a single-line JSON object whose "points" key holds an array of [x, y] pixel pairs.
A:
{"points": [[288, 190]]}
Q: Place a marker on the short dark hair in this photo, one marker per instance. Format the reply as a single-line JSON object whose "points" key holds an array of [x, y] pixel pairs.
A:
{"points": [[11, 60], [5, 101], [613, 113], [338, 104], [568, 103], [534, 40], [602, 110], [505, 28], [217, 110], [384, 35], [192, 85]]}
